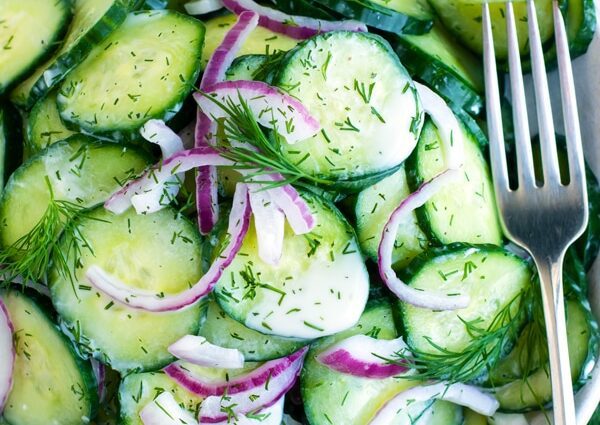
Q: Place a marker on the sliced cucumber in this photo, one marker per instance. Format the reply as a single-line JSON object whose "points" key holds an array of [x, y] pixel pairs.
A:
{"points": [[304, 8], [447, 67], [319, 287], [464, 20], [472, 418], [220, 329], [581, 25], [396, 16], [535, 391], [244, 67], [44, 126], [158, 252], [373, 208], [11, 142], [260, 41], [145, 69], [139, 389], [29, 31], [355, 86], [464, 211], [80, 170], [491, 276], [93, 20], [331, 397], [51, 384]]}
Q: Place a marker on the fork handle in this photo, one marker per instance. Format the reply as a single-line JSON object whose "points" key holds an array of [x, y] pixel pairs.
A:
{"points": [[550, 273]]}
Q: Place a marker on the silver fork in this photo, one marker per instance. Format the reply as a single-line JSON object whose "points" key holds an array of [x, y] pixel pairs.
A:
{"points": [[546, 218]]}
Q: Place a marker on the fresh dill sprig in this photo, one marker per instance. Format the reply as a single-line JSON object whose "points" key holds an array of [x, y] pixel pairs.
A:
{"points": [[487, 346], [243, 141], [29, 257]]}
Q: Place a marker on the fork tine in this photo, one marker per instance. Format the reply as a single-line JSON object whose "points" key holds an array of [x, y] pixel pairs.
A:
{"points": [[494, 116], [542, 100], [570, 112], [521, 123]]}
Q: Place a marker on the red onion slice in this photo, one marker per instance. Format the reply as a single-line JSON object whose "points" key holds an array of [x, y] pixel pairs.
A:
{"points": [[100, 373], [197, 350], [258, 377], [239, 220], [261, 390], [424, 299], [269, 224], [182, 161], [156, 131], [363, 356], [271, 107], [202, 7], [272, 415], [207, 202], [446, 123], [298, 27], [465, 395], [164, 410], [7, 354]]}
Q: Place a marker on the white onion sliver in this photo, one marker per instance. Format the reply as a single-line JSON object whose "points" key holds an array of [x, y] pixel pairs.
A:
{"points": [[202, 7], [464, 395], [272, 415], [156, 131], [423, 299], [197, 350], [298, 27], [269, 224], [271, 107], [364, 356], [239, 219], [447, 125], [7, 354], [164, 410]]}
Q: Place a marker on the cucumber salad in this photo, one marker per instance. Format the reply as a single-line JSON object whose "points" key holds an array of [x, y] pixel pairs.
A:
{"points": [[231, 212]]}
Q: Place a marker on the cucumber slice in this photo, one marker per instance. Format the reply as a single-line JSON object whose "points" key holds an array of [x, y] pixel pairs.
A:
{"points": [[260, 41], [374, 205], [44, 126], [535, 391], [395, 16], [30, 30], [447, 67], [354, 85], [244, 67], [464, 211], [220, 329], [319, 287], [491, 276], [464, 20], [93, 20], [51, 384], [304, 8], [139, 389], [159, 252], [11, 144], [472, 418], [331, 397], [145, 69], [581, 25], [80, 169]]}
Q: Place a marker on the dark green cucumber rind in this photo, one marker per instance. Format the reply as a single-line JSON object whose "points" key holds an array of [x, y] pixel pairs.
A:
{"points": [[43, 55], [589, 242], [221, 330], [84, 367], [244, 67], [584, 36], [63, 64], [378, 16], [309, 8], [441, 78], [415, 180], [170, 112], [355, 185], [149, 5], [10, 142]]}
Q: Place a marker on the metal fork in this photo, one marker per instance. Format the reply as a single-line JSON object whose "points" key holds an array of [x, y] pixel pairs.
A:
{"points": [[545, 218]]}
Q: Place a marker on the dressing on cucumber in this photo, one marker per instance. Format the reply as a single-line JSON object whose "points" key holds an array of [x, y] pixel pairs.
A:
{"points": [[52, 385], [143, 70]]}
